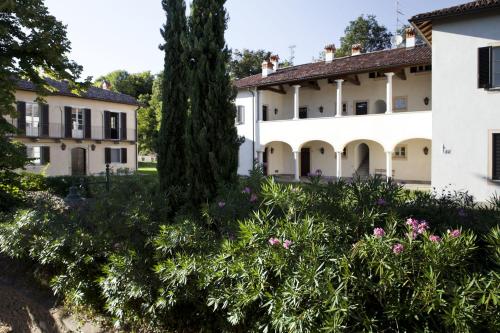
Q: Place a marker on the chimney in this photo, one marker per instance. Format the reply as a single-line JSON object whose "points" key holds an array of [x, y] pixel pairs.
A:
{"points": [[267, 68], [356, 49], [410, 37], [275, 60], [330, 52]]}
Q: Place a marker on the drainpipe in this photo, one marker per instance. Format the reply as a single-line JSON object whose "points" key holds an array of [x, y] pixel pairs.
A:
{"points": [[253, 124]]}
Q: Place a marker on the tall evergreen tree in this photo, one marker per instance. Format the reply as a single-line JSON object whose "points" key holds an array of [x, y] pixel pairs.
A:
{"points": [[171, 140], [212, 138]]}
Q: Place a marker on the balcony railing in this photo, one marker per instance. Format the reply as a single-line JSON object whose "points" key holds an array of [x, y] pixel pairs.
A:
{"points": [[57, 131]]}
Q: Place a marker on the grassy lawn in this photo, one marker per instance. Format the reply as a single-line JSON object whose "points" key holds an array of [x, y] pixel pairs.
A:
{"points": [[147, 168]]}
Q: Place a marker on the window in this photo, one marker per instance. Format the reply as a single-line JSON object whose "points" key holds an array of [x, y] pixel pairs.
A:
{"points": [[115, 155], [375, 75], [400, 103], [400, 152], [303, 113], [240, 115], [344, 107], [77, 123], [489, 67], [40, 155], [264, 112], [496, 156], [420, 69], [362, 108], [32, 119]]}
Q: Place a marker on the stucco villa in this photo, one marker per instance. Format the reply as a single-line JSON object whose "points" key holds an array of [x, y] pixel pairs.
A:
{"points": [[419, 114], [76, 135]]}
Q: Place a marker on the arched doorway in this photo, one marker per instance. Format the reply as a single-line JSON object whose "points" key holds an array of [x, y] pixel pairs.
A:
{"points": [[278, 159], [380, 106], [317, 156], [78, 162], [363, 160]]}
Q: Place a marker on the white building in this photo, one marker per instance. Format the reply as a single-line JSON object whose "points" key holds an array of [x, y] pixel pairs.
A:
{"points": [[408, 110]]}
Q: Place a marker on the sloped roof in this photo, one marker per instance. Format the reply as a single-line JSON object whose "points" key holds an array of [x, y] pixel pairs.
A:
{"points": [[366, 62], [466, 8], [93, 93]]}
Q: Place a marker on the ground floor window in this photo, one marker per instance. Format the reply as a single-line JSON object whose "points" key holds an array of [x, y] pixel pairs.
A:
{"points": [[400, 151], [496, 156], [240, 115], [40, 155], [115, 155]]}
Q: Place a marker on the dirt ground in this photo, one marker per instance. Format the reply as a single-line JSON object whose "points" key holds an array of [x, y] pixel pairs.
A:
{"points": [[25, 306]]}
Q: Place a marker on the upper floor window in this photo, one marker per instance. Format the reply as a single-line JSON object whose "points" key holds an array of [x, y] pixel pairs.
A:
{"points": [[240, 115], [32, 119], [488, 67], [496, 156], [401, 103], [420, 69]]}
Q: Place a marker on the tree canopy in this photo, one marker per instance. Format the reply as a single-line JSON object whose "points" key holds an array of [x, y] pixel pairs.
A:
{"points": [[33, 44], [135, 84], [365, 31], [246, 62]]}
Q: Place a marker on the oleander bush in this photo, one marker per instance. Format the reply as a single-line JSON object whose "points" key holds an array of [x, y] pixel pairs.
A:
{"points": [[268, 257]]}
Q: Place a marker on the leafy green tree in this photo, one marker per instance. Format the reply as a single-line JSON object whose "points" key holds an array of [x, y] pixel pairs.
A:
{"points": [[365, 31], [246, 62], [212, 139], [148, 118], [33, 44], [171, 140], [135, 84]]}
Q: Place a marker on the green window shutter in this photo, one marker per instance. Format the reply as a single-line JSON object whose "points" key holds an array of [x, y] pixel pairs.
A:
{"points": [[124, 155], [484, 67], [107, 155], [45, 155], [21, 117]]}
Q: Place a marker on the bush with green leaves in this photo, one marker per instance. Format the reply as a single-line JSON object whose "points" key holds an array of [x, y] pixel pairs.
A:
{"points": [[269, 257]]}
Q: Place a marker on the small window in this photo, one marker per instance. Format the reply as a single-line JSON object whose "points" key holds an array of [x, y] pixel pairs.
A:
{"points": [[116, 155], [400, 152], [400, 103], [32, 119], [344, 107], [303, 113], [362, 108], [421, 69], [488, 67], [35, 154], [496, 156], [375, 75], [240, 116], [496, 67], [264, 112]]}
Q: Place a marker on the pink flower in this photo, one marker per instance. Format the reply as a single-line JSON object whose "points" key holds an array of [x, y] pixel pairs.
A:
{"points": [[381, 202], [221, 204], [412, 223], [253, 197], [247, 190], [398, 248], [434, 238], [287, 243], [378, 232], [273, 241], [455, 233], [412, 234], [422, 227]]}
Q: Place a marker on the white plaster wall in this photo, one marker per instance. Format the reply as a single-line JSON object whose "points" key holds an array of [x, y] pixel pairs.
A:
{"points": [[417, 165], [463, 114], [325, 162], [280, 161], [246, 130]]}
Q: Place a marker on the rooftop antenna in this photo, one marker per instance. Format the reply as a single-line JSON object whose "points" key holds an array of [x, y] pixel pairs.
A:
{"points": [[292, 53], [399, 14]]}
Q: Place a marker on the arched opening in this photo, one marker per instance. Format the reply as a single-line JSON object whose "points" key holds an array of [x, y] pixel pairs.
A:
{"points": [[380, 106], [363, 160], [278, 159], [317, 157], [78, 162]]}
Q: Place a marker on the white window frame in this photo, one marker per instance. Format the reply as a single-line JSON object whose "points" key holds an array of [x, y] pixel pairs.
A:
{"points": [[240, 115], [119, 156], [76, 132], [35, 153], [400, 152], [32, 121]]}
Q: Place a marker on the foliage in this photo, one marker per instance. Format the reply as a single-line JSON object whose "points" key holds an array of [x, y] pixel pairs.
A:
{"points": [[269, 257], [32, 42], [212, 141], [246, 62], [121, 81], [365, 31], [148, 118], [171, 140]]}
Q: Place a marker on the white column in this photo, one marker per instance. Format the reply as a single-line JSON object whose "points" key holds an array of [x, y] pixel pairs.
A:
{"points": [[296, 158], [339, 97], [388, 101], [339, 164], [296, 102], [388, 165], [260, 156], [256, 125]]}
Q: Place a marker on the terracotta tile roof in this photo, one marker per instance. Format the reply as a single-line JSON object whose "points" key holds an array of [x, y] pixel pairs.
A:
{"points": [[367, 62], [466, 8], [92, 93]]}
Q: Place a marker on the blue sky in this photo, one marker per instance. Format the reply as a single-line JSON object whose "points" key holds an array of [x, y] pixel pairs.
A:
{"points": [[125, 34]]}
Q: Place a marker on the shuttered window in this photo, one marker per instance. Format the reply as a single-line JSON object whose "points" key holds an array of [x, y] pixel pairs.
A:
{"points": [[39, 155], [489, 67], [115, 155], [240, 115], [496, 67], [496, 156]]}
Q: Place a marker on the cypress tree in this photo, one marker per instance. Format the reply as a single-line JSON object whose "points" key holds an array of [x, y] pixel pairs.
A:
{"points": [[171, 139], [212, 139]]}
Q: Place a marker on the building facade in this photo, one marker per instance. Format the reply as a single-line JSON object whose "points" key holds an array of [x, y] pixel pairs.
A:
{"points": [[76, 135], [413, 113]]}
